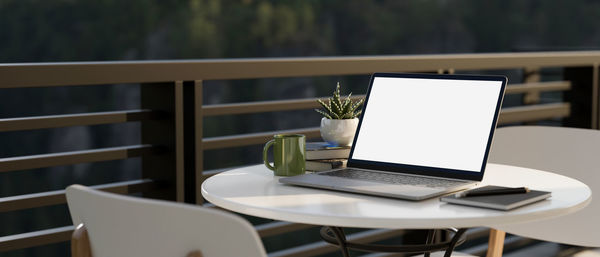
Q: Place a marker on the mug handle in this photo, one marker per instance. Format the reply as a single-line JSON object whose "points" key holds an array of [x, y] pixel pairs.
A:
{"points": [[265, 159]]}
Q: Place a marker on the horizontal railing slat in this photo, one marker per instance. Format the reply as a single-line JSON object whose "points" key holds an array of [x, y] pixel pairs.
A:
{"points": [[279, 227], [534, 112], [80, 119], [307, 103], [74, 157], [263, 106], [254, 138], [36, 238], [538, 87], [96, 73], [27, 201]]}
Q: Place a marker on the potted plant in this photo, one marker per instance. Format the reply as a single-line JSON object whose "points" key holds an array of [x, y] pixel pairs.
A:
{"points": [[340, 118]]}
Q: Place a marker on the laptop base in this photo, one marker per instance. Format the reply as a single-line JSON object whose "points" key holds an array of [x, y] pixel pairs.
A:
{"points": [[406, 192]]}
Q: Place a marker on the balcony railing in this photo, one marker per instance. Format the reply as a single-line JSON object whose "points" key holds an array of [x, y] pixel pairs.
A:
{"points": [[171, 117]]}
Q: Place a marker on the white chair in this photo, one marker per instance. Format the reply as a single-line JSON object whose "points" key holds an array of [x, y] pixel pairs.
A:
{"points": [[568, 151], [134, 227]]}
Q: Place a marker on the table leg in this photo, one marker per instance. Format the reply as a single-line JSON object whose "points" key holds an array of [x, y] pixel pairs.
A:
{"points": [[454, 241], [335, 236], [496, 243], [341, 238], [430, 238]]}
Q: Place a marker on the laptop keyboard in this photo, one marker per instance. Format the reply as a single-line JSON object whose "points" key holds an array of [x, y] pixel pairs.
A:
{"points": [[399, 179]]}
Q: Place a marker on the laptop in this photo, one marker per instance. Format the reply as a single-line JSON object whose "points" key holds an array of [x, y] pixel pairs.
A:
{"points": [[419, 136]]}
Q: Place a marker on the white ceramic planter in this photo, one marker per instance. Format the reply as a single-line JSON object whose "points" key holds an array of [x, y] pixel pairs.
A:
{"points": [[339, 132]]}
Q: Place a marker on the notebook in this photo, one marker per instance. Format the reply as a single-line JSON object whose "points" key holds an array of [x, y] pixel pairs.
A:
{"points": [[419, 136], [499, 202]]}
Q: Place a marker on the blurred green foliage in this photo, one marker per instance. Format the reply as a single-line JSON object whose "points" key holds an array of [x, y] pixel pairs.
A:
{"points": [[68, 30]]}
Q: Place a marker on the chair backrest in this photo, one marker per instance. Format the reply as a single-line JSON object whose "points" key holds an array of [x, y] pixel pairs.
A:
{"points": [[129, 226], [568, 151]]}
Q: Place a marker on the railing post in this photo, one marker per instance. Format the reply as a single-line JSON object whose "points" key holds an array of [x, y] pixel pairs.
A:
{"points": [[581, 97], [199, 148], [167, 167], [595, 97], [193, 134], [532, 74]]}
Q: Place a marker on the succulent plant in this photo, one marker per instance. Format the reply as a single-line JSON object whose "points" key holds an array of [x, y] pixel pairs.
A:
{"points": [[338, 109]]}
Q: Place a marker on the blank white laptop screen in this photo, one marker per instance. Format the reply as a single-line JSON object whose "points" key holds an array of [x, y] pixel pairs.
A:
{"points": [[428, 122]]}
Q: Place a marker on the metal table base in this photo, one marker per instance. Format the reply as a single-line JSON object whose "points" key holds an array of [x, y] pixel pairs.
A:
{"points": [[336, 236]]}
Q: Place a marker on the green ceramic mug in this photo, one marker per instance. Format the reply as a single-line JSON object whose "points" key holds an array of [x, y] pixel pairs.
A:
{"points": [[289, 151]]}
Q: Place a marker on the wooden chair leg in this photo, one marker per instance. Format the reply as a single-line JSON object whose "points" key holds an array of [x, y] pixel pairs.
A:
{"points": [[80, 242], [496, 243]]}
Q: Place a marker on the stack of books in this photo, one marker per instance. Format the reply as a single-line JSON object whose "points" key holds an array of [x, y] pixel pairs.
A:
{"points": [[321, 156]]}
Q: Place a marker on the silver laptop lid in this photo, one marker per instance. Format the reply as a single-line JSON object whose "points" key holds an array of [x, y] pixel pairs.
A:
{"points": [[436, 125]]}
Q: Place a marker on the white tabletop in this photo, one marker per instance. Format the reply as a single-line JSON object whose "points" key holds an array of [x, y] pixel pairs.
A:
{"points": [[255, 191]]}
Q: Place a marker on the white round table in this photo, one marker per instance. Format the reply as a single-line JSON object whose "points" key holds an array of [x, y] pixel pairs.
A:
{"points": [[256, 191]]}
